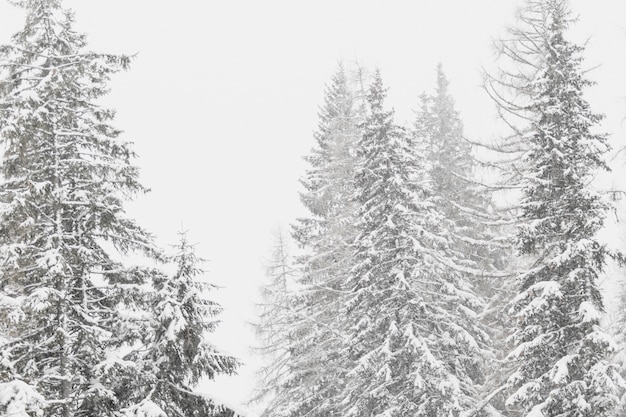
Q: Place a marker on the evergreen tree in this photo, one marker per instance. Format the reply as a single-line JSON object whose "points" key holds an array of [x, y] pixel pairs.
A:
{"points": [[413, 341], [176, 353], [475, 249], [71, 309], [66, 175], [314, 375], [462, 200], [440, 126], [559, 353], [329, 182]]}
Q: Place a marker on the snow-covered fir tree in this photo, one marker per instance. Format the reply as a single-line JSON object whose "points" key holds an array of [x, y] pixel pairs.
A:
{"points": [[476, 247], [175, 354], [71, 309], [462, 199], [439, 125], [329, 182], [559, 354], [413, 341], [314, 376], [66, 175]]}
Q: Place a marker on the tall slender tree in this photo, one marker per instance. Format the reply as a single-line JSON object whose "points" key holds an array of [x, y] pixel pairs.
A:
{"points": [[324, 237], [440, 126], [476, 248], [463, 201], [559, 352]]}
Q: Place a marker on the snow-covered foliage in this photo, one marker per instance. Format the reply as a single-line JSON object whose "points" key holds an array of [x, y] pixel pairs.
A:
{"points": [[175, 352], [414, 342], [71, 310], [310, 376], [559, 356], [476, 247], [66, 175], [383, 318], [462, 200], [19, 399]]}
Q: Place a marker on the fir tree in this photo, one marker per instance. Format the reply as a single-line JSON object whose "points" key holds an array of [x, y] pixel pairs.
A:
{"points": [[71, 308], [66, 176], [176, 353], [559, 352], [475, 249], [413, 343], [440, 126], [462, 200], [329, 182], [314, 376]]}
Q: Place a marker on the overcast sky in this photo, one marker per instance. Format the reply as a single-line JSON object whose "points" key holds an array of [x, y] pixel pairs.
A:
{"points": [[222, 97]]}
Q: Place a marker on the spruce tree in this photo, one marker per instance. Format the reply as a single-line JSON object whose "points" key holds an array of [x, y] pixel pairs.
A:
{"points": [[314, 374], [559, 352], [413, 341], [66, 175], [463, 201], [72, 307], [440, 126], [475, 249], [176, 353]]}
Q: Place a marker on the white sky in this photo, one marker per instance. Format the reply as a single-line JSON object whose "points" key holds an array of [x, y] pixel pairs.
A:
{"points": [[221, 104]]}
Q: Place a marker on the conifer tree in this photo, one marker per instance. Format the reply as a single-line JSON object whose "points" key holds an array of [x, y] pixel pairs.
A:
{"points": [[413, 341], [71, 308], [559, 353], [324, 237], [475, 249], [462, 200], [66, 175], [330, 181], [440, 126], [176, 353]]}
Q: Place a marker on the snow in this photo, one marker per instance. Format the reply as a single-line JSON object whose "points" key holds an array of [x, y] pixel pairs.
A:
{"points": [[146, 408], [560, 371], [582, 404], [219, 400], [40, 299], [113, 360], [20, 399], [523, 394], [589, 312], [542, 289], [536, 411]]}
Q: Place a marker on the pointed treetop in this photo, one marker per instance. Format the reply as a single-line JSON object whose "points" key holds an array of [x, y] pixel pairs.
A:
{"points": [[44, 9], [442, 81], [377, 92], [558, 13]]}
